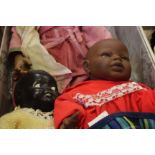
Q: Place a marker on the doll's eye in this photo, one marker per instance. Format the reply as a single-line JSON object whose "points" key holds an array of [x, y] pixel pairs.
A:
{"points": [[37, 85], [53, 88], [106, 54], [125, 58]]}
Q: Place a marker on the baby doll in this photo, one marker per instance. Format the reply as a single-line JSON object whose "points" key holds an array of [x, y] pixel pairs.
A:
{"points": [[34, 97], [108, 92]]}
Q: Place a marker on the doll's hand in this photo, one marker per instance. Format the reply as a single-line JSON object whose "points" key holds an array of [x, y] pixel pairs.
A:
{"points": [[21, 66], [70, 122]]}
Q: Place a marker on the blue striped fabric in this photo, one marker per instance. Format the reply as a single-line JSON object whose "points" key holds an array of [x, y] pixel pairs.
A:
{"points": [[127, 120]]}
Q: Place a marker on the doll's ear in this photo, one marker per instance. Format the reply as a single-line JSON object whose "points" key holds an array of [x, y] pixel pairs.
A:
{"points": [[86, 66]]}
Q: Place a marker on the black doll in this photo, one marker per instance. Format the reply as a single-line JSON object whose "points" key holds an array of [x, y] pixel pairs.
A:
{"points": [[37, 89]]}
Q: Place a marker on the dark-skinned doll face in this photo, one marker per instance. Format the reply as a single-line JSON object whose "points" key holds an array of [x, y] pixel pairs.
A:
{"points": [[43, 90], [37, 90], [108, 60]]}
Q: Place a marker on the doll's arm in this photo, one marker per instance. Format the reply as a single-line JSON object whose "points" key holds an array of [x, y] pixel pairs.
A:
{"points": [[71, 121], [67, 113]]}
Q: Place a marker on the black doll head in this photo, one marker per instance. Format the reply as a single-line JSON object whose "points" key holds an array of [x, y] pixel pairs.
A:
{"points": [[37, 89]]}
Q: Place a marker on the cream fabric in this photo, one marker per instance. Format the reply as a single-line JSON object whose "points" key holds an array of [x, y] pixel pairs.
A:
{"points": [[36, 52], [26, 118]]}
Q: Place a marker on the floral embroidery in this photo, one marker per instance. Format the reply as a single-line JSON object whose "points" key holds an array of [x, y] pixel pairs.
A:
{"points": [[107, 95]]}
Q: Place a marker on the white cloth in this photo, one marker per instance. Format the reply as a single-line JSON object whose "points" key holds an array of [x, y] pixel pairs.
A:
{"points": [[37, 53]]}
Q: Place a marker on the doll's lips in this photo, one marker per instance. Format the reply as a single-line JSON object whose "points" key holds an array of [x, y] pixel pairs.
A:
{"points": [[47, 96], [117, 66]]}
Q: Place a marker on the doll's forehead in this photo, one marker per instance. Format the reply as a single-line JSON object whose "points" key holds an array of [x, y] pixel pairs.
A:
{"points": [[106, 44], [42, 77]]}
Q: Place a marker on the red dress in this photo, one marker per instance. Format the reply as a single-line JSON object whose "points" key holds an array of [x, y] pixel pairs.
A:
{"points": [[91, 98]]}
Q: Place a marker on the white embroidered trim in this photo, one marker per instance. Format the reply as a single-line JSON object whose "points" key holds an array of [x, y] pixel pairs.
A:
{"points": [[38, 113], [107, 95]]}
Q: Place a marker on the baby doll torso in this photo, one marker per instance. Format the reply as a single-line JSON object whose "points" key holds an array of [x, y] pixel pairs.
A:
{"points": [[107, 97]]}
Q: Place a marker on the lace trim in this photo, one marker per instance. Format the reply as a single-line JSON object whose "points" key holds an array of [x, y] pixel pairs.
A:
{"points": [[38, 113], [107, 95]]}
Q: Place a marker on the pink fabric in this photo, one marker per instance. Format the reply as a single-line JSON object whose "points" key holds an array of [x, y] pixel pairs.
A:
{"points": [[93, 34], [15, 41], [68, 45]]}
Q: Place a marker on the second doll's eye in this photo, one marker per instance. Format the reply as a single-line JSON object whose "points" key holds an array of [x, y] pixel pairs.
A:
{"points": [[106, 54], [36, 85], [53, 88], [125, 58]]}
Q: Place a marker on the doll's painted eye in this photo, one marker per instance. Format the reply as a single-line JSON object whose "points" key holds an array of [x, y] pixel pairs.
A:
{"points": [[36, 85], [125, 58], [53, 88], [106, 54]]}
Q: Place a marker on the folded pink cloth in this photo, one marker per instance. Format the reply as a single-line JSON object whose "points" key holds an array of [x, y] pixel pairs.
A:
{"points": [[68, 45]]}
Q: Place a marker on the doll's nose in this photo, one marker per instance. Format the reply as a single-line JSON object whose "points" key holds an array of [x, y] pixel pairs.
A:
{"points": [[48, 91], [116, 57]]}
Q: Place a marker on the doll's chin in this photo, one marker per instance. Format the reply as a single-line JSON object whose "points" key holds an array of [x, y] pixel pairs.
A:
{"points": [[47, 99]]}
